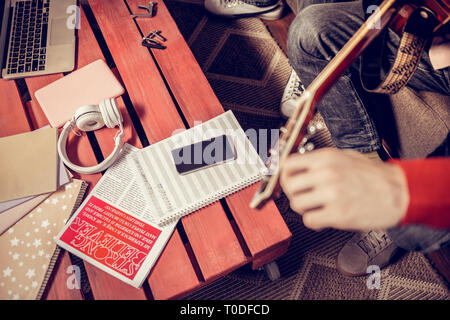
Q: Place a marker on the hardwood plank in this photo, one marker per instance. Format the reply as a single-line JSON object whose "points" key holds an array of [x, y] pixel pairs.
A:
{"points": [[210, 234], [261, 229], [271, 255], [159, 118], [266, 227], [60, 276], [80, 152], [37, 115], [103, 285], [162, 282], [179, 66], [143, 77], [146, 88], [13, 105], [13, 118], [210, 241]]}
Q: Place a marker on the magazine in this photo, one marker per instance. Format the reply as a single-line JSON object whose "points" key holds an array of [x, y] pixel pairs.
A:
{"points": [[112, 230]]}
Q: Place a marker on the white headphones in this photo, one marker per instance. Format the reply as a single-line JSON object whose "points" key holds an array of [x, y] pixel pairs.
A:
{"points": [[90, 118]]}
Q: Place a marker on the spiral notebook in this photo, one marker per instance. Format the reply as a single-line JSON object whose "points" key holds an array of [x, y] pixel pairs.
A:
{"points": [[174, 195]]}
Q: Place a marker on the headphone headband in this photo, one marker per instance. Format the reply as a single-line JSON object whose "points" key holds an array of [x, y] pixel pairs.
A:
{"points": [[89, 118]]}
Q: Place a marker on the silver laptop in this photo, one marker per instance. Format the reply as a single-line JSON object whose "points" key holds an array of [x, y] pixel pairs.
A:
{"points": [[36, 37]]}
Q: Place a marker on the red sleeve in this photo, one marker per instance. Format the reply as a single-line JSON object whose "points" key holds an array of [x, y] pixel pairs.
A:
{"points": [[429, 191]]}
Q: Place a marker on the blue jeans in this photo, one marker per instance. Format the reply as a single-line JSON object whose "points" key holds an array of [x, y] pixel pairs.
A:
{"points": [[319, 31]]}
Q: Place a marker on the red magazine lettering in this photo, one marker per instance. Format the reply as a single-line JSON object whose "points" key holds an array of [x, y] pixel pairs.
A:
{"points": [[111, 237]]}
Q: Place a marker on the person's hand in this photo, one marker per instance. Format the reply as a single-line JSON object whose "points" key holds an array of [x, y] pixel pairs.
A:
{"points": [[344, 190]]}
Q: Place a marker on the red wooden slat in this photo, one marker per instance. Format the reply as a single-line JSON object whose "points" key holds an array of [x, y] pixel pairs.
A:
{"points": [[80, 152], [162, 282], [59, 275], [13, 119], [141, 77], [210, 241], [13, 105], [274, 253], [105, 286], [261, 229], [145, 87], [159, 117], [35, 111], [179, 66], [136, 71]]}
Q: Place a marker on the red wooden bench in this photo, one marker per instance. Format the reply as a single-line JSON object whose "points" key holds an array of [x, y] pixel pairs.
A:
{"points": [[165, 90]]}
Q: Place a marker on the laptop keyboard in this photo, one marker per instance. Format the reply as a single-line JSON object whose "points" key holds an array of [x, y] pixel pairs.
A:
{"points": [[28, 44]]}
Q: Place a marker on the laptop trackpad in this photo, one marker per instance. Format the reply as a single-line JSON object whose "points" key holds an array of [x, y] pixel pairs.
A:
{"points": [[60, 33]]}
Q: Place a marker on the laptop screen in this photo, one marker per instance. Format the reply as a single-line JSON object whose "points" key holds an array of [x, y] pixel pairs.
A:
{"points": [[4, 15]]}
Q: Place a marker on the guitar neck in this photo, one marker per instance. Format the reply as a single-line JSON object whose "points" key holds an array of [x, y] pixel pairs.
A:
{"points": [[353, 48], [334, 69], [304, 111], [296, 127]]}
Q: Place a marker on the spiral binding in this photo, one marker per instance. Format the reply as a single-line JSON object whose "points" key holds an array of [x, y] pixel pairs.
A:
{"points": [[56, 253], [206, 202]]}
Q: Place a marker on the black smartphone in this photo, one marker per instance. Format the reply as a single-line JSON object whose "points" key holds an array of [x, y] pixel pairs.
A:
{"points": [[203, 154]]}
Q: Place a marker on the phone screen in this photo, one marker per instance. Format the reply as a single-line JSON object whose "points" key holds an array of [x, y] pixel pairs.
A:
{"points": [[203, 154]]}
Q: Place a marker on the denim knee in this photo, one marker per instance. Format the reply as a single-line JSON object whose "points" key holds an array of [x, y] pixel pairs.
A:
{"points": [[419, 238], [306, 31]]}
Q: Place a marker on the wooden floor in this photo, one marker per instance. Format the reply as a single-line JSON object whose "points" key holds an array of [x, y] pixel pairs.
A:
{"points": [[279, 29]]}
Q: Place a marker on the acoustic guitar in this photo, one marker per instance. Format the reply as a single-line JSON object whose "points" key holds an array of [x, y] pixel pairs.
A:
{"points": [[395, 14]]}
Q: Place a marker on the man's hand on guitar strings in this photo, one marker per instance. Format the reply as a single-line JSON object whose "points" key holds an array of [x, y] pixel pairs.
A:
{"points": [[345, 190]]}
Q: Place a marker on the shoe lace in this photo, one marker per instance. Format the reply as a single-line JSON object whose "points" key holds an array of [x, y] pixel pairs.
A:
{"points": [[230, 3], [295, 88], [374, 242]]}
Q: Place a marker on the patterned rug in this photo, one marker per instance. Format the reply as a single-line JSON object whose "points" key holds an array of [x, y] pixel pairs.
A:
{"points": [[248, 71]]}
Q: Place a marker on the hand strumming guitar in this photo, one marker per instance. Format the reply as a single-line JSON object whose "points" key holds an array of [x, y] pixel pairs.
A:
{"points": [[345, 190]]}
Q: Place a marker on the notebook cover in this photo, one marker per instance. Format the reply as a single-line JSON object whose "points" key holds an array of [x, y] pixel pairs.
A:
{"points": [[175, 195], [28, 249], [63, 177], [28, 164], [11, 216], [86, 86], [112, 220]]}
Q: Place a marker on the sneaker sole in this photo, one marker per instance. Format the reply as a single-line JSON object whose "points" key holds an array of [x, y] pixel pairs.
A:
{"points": [[352, 275]]}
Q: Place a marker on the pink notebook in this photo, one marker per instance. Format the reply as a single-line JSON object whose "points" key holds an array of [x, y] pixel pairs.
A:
{"points": [[86, 86]]}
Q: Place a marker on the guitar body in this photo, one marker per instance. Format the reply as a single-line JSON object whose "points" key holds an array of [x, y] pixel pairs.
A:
{"points": [[394, 14], [441, 8]]}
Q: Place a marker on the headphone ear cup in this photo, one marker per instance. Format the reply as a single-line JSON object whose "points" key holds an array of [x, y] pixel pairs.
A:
{"points": [[116, 110], [89, 118], [110, 112]]}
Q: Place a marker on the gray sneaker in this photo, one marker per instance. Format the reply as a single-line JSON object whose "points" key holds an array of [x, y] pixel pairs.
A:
{"points": [[244, 8], [363, 250], [294, 88]]}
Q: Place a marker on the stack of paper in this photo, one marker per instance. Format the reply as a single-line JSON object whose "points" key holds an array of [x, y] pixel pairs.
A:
{"points": [[110, 229], [28, 164], [118, 226], [36, 199], [175, 195], [28, 249], [29, 171]]}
